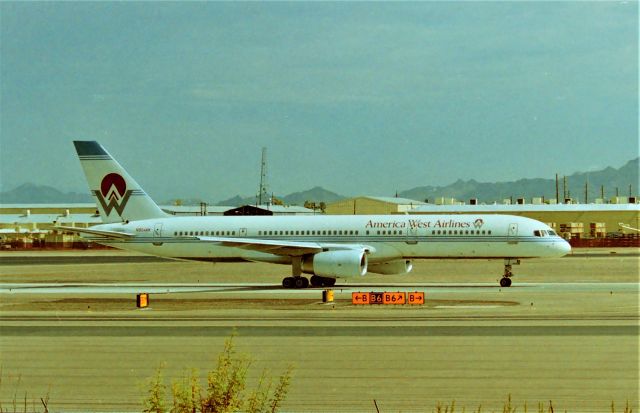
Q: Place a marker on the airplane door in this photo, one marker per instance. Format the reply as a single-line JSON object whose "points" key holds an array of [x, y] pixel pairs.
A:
{"points": [[412, 236], [157, 230], [242, 232], [512, 234]]}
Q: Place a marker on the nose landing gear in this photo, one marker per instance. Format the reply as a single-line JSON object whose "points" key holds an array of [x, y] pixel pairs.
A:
{"points": [[505, 281]]}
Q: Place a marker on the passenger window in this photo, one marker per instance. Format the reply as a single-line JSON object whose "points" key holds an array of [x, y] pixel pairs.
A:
{"points": [[489, 232]]}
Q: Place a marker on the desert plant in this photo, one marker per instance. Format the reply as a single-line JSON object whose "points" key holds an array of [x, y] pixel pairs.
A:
{"points": [[224, 391], [154, 402]]}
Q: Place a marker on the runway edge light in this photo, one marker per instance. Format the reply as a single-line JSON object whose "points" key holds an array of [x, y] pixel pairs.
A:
{"points": [[327, 296], [142, 300]]}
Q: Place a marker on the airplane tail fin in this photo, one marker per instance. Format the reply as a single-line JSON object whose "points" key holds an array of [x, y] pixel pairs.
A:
{"points": [[118, 195]]}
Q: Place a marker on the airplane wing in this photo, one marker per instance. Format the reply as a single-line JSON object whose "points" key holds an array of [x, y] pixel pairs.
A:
{"points": [[96, 232], [288, 248]]}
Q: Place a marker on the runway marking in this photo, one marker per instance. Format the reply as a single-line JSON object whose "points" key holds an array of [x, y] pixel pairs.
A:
{"points": [[468, 306], [319, 331]]}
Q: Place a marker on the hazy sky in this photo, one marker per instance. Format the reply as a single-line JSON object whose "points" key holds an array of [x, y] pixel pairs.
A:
{"points": [[360, 98]]}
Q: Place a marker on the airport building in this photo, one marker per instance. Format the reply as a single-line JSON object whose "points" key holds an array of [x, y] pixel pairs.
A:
{"points": [[372, 205], [33, 225], [577, 222]]}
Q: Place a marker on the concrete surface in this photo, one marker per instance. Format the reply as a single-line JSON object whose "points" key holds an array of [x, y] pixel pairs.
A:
{"points": [[567, 331]]}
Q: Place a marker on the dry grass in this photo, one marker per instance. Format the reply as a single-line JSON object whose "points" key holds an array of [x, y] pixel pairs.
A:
{"points": [[510, 407]]}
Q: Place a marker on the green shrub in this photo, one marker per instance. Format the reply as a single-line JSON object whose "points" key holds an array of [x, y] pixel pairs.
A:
{"points": [[225, 390]]}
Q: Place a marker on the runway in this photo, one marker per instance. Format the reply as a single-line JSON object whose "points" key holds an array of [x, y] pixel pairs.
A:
{"points": [[265, 288], [567, 331]]}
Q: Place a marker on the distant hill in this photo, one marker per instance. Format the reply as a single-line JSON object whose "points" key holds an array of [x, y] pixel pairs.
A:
{"points": [[485, 192], [41, 194], [611, 178], [316, 194]]}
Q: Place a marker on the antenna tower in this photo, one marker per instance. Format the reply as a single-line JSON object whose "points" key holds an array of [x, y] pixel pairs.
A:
{"points": [[263, 195]]}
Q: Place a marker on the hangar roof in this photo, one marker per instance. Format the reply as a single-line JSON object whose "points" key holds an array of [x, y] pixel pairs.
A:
{"points": [[41, 206], [528, 208], [48, 219], [394, 200]]}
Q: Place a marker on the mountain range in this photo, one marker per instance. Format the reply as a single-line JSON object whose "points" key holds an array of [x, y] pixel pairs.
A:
{"points": [[612, 179]]}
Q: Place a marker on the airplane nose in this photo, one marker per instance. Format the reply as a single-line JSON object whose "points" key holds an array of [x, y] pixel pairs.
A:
{"points": [[563, 247]]}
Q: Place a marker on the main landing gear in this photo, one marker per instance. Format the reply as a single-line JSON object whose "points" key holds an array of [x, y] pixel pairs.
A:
{"points": [[303, 282], [298, 281], [506, 278], [295, 282]]}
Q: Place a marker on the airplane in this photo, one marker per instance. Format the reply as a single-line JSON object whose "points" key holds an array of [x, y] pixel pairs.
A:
{"points": [[627, 227], [327, 247]]}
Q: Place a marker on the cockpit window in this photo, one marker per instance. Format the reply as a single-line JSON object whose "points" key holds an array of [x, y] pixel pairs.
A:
{"points": [[537, 233], [552, 233]]}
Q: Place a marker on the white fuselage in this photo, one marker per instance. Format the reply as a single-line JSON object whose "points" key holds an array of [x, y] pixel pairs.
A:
{"points": [[385, 237]]}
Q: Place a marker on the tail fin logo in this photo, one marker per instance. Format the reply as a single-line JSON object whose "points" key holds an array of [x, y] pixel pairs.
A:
{"points": [[113, 193]]}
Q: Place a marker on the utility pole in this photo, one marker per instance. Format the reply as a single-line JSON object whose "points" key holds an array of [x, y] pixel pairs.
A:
{"points": [[586, 192], [263, 196], [557, 191]]}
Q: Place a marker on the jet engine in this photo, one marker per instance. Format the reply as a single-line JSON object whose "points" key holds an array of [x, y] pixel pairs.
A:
{"points": [[336, 264], [392, 267]]}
